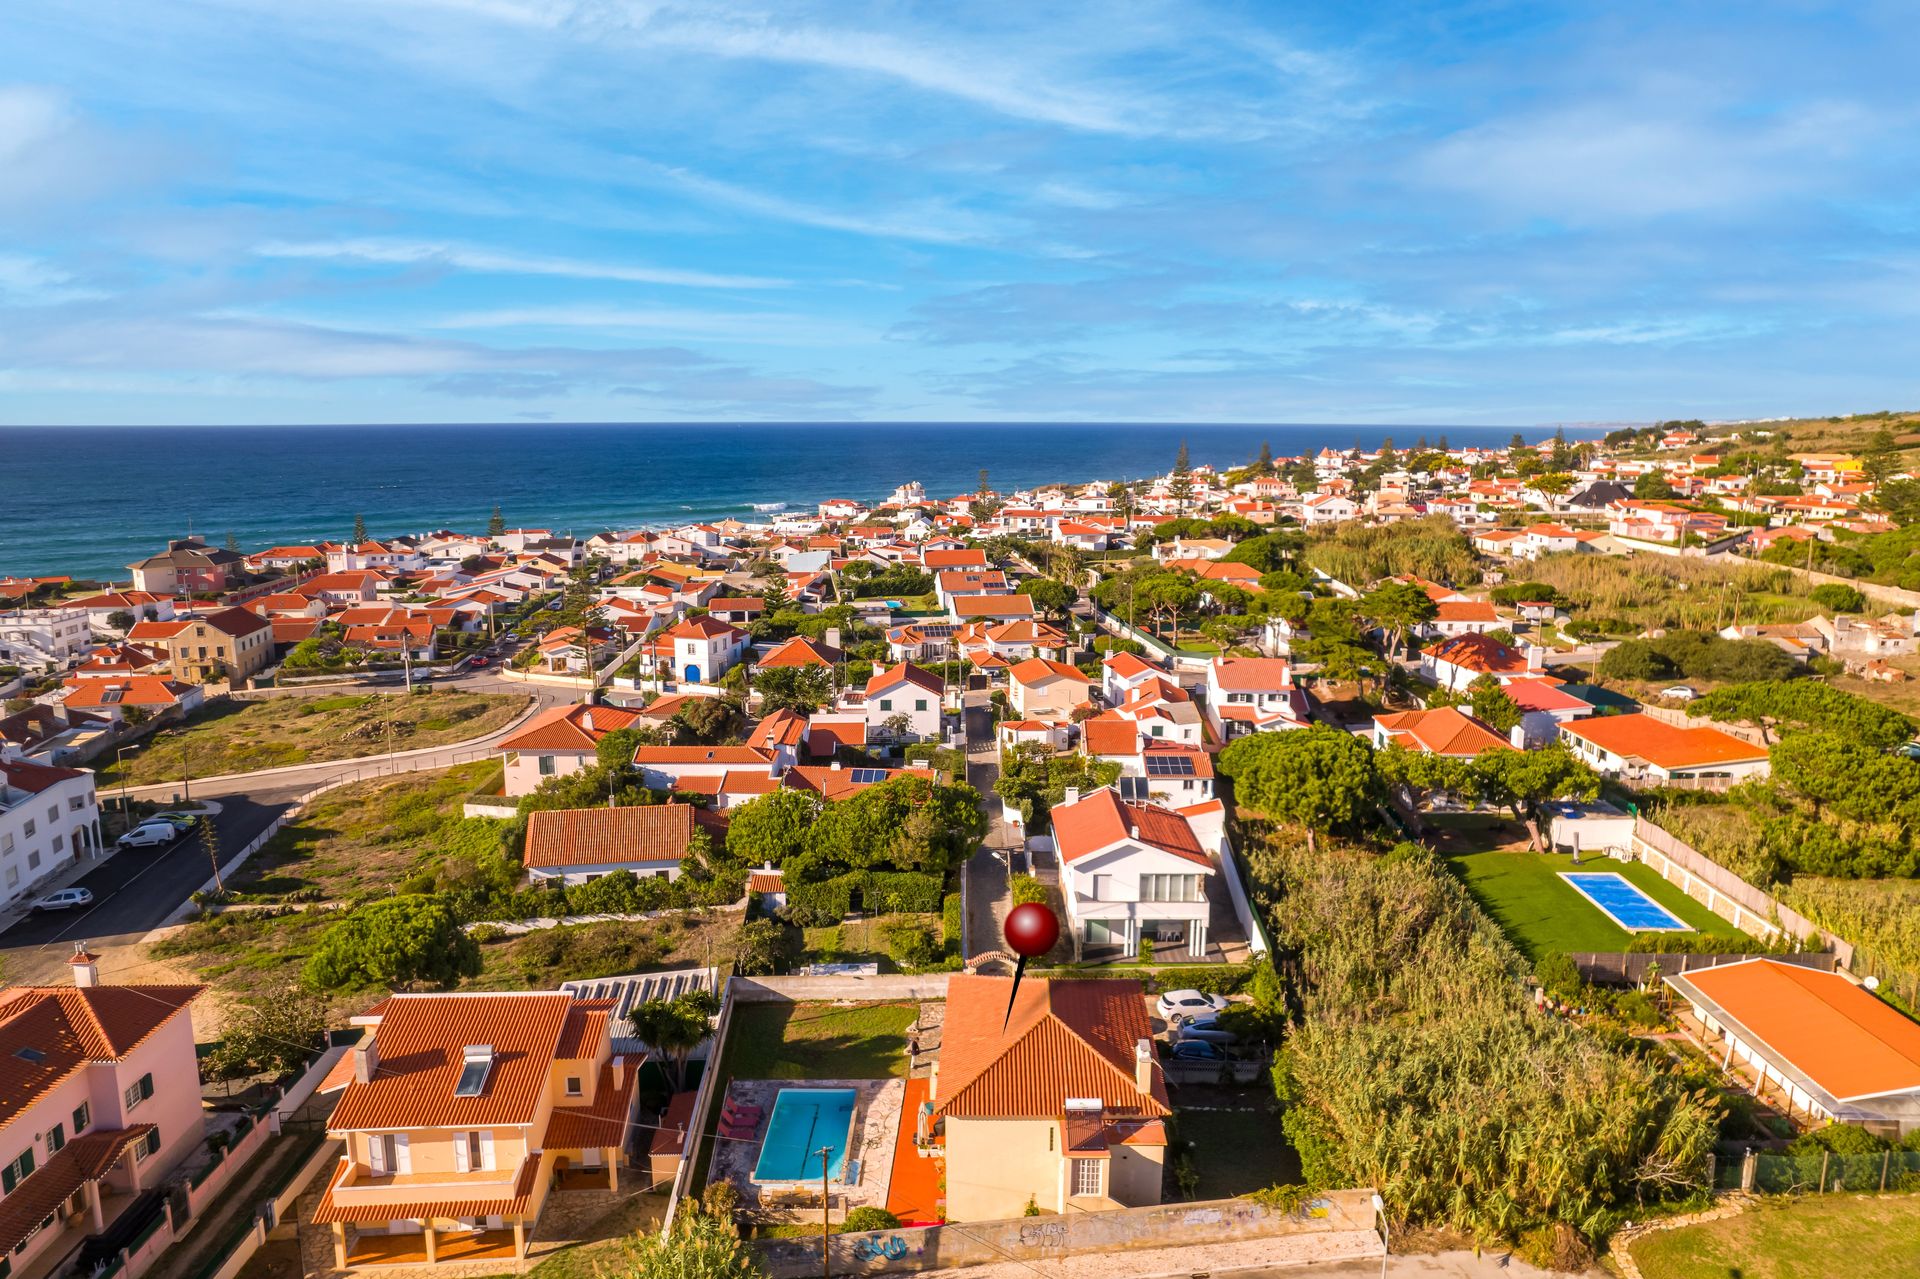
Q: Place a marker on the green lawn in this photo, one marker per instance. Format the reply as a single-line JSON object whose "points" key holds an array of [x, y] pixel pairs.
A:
{"points": [[818, 1041], [1238, 1150], [1812, 1237], [1541, 913]]}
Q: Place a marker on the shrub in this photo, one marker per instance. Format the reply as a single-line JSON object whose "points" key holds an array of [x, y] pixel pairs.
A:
{"points": [[1841, 1139], [1558, 975], [1838, 598], [868, 1217], [910, 944], [951, 935], [1025, 889]]}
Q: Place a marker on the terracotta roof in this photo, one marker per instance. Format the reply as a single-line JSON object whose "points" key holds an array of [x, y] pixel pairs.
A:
{"points": [[608, 836], [1663, 745], [1832, 1031], [29, 776], [1063, 1039], [835, 783], [1038, 670], [419, 1043], [703, 628], [993, 606], [331, 1209], [1445, 730], [785, 727], [972, 557], [1252, 674], [1111, 734], [1479, 653], [69, 1027], [604, 1123], [1103, 819], [1542, 695], [904, 673], [801, 651], [1465, 611], [83, 1159], [717, 755], [670, 1138], [570, 728]]}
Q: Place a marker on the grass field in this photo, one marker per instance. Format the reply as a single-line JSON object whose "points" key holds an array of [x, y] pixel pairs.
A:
{"points": [[859, 941], [818, 1041], [1238, 1144], [1812, 1237], [237, 737], [1541, 913]]}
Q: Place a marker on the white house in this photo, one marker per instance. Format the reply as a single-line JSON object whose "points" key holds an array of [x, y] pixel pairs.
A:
{"points": [[704, 649], [1327, 508], [1122, 673], [1252, 695], [49, 819], [1640, 748], [1131, 870], [574, 845], [41, 638], [903, 689], [557, 742]]}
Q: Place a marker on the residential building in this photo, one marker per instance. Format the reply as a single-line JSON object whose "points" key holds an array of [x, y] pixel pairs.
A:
{"points": [[672, 768], [1042, 689], [1453, 664], [114, 697], [1461, 617], [704, 649], [43, 639], [997, 608], [99, 1102], [1130, 870], [1253, 695], [231, 645], [459, 1116], [140, 606], [1831, 1047], [1444, 730], [558, 741], [1545, 704], [1641, 748], [1059, 1102], [187, 567], [1121, 673], [574, 845], [903, 690], [49, 819]]}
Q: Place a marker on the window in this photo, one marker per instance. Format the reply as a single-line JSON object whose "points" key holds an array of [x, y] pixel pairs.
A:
{"points": [[82, 1116], [56, 1138], [1086, 1176], [151, 1146], [886, 704], [6, 842], [16, 1172], [29, 828], [138, 1091], [919, 703], [75, 803], [53, 814], [546, 765], [573, 1086], [1170, 888], [33, 858]]}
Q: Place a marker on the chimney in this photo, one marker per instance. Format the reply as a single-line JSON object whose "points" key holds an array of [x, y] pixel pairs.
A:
{"points": [[1518, 736], [832, 637], [86, 967], [586, 719], [835, 766], [366, 1060], [1071, 797], [1534, 657], [1143, 1065], [619, 1072]]}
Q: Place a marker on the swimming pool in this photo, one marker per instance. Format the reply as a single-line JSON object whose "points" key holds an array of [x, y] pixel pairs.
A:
{"points": [[1623, 901], [804, 1120]]}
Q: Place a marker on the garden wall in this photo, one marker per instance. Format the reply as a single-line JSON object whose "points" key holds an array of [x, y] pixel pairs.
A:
{"points": [[1726, 894], [884, 987], [1335, 1226], [1629, 968]]}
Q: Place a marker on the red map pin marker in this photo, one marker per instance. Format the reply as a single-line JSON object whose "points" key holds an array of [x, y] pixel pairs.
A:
{"points": [[1031, 931]]}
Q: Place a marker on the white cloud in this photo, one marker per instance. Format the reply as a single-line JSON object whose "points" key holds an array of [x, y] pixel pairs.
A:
{"points": [[494, 262], [32, 281], [737, 326]]}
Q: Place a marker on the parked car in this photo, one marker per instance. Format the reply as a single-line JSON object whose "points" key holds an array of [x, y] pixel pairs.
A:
{"points": [[1178, 1005], [150, 834], [179, 821], [1196, 1050], [1680, 693], [1205, 1028], [477, 661], [65, 899]]}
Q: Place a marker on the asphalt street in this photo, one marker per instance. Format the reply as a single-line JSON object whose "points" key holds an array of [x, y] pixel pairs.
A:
{"points": [[136, 889]]}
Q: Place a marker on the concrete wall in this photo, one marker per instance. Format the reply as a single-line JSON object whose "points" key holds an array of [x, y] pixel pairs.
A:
{"points": [[1339, 1223], [877, 989], [1726, 894]]}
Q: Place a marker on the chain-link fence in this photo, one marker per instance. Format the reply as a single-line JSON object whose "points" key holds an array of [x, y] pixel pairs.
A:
{"points": [[1768, 1174]]}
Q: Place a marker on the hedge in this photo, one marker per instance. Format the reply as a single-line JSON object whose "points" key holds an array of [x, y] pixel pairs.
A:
{"points": [[900, 892], [950, 923]]}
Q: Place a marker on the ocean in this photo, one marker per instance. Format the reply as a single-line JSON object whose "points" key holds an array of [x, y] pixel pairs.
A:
{"points": [[88, 501]]}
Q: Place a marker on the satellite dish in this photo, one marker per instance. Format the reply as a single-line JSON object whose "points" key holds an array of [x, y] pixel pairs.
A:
{"points": [[1871, 983]]}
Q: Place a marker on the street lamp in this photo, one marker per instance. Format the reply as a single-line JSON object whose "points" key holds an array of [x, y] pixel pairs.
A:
{"points": [[1380, 1218]]}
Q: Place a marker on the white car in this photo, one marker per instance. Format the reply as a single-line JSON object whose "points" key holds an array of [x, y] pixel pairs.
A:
{"points": [[150, 834], [65, 899], [1177, 1006], [1679, 693]]}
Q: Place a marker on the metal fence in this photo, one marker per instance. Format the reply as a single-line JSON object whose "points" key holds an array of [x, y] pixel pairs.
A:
{"points": [[1784, 1174]]}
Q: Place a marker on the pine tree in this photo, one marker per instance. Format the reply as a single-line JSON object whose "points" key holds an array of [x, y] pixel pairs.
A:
{"points": [[497, 524], [1881, 457], [1518, 442], [1265, 461], [1180, 464], [359, 528], [1442, 445], [984, 487], [233, 543]]}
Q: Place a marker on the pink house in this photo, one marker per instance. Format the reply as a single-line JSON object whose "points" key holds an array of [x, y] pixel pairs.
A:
{"points": [[99, 1100]]}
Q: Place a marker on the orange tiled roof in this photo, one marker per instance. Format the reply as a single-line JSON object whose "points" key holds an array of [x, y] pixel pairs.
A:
{"points": [[85, 1158], [1111, 734], [993, 606], [1445, 730], [331, 1209], [70, 1027], [1103, 819], [833, 783], [608, 836], [604, 1123], [1038, 670], [1641, 736], [1064, 1039], [1252, 674], [904, 673], [570, 728], [1834, 1032], [801, 651]]}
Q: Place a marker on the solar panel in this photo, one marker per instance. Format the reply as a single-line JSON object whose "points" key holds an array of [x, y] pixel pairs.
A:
{"points": [[863, 776], [1169, 766], [1133, 788]]}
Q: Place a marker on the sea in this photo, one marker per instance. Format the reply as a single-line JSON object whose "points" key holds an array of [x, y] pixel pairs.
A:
{"points": [[89, 500]]}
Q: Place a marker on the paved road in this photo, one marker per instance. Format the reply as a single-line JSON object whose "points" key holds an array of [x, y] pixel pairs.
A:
{"points": [[135, 890]]}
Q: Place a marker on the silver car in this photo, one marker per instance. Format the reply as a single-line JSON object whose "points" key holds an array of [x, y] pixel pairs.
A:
{"points": [[1207, 1029]]}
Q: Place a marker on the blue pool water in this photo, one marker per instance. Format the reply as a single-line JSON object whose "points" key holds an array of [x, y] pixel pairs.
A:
{"points": [[1623, 901], [804, 1120]]}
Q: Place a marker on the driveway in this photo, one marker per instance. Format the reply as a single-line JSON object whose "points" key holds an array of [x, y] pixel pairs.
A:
{"points": [[135, 890]]}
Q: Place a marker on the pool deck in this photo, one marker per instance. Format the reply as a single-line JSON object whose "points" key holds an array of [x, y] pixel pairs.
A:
{"points": [[876, 1122]]}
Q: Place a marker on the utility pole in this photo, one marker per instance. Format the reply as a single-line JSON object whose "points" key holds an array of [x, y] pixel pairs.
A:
{"points": [[826, 1217], [211, 838]]}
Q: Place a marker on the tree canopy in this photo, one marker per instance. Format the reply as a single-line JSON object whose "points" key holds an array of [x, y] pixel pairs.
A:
{"points": [[1807, 704], [395, 943], [1317, 777]]}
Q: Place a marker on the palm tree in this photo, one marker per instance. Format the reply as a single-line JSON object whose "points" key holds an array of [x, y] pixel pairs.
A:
{"points": [[674, 1027]]}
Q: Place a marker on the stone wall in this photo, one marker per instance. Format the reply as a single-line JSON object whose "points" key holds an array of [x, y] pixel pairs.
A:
{"points": [[1340, 1223]]}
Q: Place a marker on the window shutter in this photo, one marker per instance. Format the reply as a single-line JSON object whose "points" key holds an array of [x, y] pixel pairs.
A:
{"points": [[402, 1160], [26, 1163], [486, 1151], [146, 1087], [8, 1180], [377, 1153], [460, 1152], [153, 1142]]}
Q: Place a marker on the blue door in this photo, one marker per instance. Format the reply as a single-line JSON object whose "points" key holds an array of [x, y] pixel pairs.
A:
{"points": [[693, 673]]}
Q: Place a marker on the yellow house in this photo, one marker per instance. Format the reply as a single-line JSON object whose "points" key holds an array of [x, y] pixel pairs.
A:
{"points": [[461, 1113], [1042, 689], [1066, 1108]]}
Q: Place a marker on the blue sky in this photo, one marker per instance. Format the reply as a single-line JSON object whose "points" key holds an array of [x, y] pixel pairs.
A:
{"points": [[464, 210]]}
